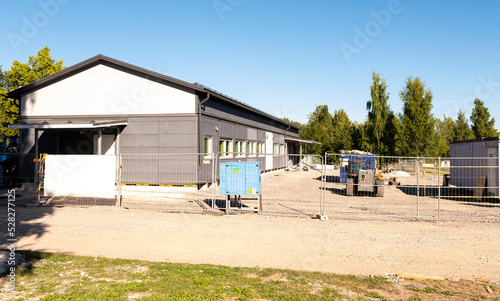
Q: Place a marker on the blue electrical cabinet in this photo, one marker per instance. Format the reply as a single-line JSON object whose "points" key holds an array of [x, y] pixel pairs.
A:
{"points": [[240, 178]]}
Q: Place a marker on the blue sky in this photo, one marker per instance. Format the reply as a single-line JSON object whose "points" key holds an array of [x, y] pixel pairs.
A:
{"points": [[283, 57]]}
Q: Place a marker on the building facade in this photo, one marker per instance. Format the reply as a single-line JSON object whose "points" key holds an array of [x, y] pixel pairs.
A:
{"points": [[105, 106]]}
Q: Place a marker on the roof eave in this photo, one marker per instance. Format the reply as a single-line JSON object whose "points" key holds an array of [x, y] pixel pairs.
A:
{"points": [[94, 61], [256, 111]]}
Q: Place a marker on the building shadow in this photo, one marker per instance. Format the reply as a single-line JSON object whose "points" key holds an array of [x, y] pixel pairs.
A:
{"points": [[449, 193], [24, 220], [233, 204]]}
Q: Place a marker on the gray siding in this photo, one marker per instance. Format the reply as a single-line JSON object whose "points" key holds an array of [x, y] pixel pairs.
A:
{"points": [[225, 111], [159, 135]]}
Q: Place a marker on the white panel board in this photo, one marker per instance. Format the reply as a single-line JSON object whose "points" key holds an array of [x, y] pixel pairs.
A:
{"points": [[80, 175], [102, 90]]}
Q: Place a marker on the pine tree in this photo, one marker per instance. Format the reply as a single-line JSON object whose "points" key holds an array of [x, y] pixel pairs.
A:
{"points": [[378, 117], [482, 125], [462, 130]]}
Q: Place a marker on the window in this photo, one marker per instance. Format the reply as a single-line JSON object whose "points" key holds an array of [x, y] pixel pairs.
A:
{"points": [[208, 147], [225, 148], [282, 149], [251, 150], [261, 148], [276, 149], [239, 148]]}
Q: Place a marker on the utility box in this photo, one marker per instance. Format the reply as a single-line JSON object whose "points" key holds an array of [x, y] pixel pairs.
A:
{"points": [[240, 178], [366, 180], [368, 162]]}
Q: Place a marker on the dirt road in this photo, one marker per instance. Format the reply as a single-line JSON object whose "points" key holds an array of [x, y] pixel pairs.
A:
{"points": [[465, 249]]}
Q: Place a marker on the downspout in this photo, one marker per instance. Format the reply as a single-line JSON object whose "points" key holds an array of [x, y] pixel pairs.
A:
{"points": [[198, 139], [286, 147]]}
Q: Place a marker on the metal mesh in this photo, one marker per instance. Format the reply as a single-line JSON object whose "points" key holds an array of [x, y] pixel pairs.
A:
{"points": [[422, 188], [171, 182], [303, 185], [294, 187]]}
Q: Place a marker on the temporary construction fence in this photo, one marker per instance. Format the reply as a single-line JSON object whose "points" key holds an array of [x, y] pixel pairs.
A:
{"points": [[305, 185], [187, 183], [421, 188], [16, 169]]}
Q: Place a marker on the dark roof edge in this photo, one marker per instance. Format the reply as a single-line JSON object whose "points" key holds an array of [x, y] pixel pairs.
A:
{"points": [[96, 60], [250, 108], [93, 61], [476, 140]]}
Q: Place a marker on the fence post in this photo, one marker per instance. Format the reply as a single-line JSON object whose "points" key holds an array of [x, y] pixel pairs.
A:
{"points": [[37, 180], [214, 163], [439, 189], [418, 189], [120, 166], [323, 195]]}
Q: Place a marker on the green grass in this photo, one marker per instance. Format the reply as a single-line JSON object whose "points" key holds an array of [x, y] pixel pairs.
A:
{"points": [[65, 277]]}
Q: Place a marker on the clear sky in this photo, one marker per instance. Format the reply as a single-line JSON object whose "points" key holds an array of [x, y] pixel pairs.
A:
{"points": [[283, 57]]}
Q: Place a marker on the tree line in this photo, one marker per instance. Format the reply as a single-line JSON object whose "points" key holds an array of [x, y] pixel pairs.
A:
{"points": [[19, 75], [414, 132]]}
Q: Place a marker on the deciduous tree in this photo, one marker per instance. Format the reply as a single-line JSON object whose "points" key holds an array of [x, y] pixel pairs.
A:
{"points": [[320, 128], [342, 131], [22, 74], [417, 124]]}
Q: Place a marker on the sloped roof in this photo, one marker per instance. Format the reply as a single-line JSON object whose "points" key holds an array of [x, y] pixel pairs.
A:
{"points": [[104, 60]]}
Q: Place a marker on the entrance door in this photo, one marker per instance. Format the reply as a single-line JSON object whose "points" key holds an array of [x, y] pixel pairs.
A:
{"points": [[269, 151]]}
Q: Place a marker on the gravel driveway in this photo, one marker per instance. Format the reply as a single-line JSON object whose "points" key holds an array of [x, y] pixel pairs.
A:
{"points": [[347, 245]]}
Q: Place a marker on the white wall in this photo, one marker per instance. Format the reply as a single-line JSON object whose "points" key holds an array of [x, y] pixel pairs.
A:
{"points": [[102, 90]]}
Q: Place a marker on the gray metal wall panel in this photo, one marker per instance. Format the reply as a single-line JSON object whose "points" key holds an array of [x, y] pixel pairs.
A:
{"points": [[280, 139], [178, 140], [240, 132], [178, 127], [261, 136], [226, 130], [141, 127], [226, 111], [176, 150], [139, 150], [143, 140], [252, 134]]}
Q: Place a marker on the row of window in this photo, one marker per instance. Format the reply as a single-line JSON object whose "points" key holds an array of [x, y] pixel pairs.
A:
{"points": [[240, 148]]}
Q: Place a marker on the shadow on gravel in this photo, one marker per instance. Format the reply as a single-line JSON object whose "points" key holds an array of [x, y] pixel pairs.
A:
{"points": [[451, 193], [22, 219]]}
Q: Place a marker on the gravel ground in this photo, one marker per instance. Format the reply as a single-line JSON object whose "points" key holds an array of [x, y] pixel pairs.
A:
{"points": [[364, 234], [461, 250]]}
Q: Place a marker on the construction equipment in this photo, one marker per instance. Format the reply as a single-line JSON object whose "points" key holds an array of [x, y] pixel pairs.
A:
{"points": [[359, 173]]}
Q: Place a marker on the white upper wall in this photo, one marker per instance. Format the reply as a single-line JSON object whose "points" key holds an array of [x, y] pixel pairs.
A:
{"points": [[102, 90]]}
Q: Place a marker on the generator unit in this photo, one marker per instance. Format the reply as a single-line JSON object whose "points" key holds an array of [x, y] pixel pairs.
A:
{"points": [[361, 176]]}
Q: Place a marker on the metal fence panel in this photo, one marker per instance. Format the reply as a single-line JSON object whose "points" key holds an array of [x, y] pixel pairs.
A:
{"points": [[420, 188], [292, 187], [16, 169], [171, 182], [303, 185]]}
